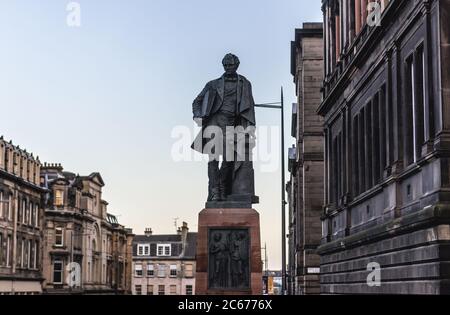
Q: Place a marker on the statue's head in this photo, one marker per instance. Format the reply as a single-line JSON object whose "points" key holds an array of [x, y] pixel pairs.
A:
{"points": [[217, 237], [230, 64]]}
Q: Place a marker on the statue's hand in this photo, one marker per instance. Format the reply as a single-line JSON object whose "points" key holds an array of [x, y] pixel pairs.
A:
{"points": [[198, 121]]}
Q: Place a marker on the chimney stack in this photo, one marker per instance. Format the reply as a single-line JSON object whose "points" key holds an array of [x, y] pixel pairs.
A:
{"points": [[184, 233], [148, 232]]}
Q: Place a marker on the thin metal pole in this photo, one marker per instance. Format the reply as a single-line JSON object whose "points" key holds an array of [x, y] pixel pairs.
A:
{"points": [[71, 247], [283, 198], [267, 260], [283, 191]]}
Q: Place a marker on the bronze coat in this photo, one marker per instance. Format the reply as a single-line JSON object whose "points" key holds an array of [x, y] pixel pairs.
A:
{"points": [[210, 100]]}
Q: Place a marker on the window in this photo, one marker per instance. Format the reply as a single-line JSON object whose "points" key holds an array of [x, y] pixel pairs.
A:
{"points": [[164, 250], [161, 271], [10, 212], [59, 197], [29, 258], [334, 176], [31, 214], [419, 101], [138, 289], [384, 137], [337, 167], [35, 253], [189, 271], [59, 239], [150, 270], [36, 218], [22, 253], [173, 290], [369, 153], [18, 243], [150, 290], [355, 162], [24, 212], [161, 290], [362, 152], [173, 270], [189, 290], [138, 270], [8, 251], [143, 250], [57, 272], [376, 149], [1, 250], [2, 205], [409, 113], [19, 211], [414, 105]]}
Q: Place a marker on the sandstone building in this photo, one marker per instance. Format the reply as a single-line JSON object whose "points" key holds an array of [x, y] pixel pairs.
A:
{"points": [[20, 221], [81, 237], [386, 103], [164, 264], [305, 188]]}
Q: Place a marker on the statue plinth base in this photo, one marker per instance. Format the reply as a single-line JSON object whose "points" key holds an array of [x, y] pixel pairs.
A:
{"points": [[234, 202], [229, 252]]}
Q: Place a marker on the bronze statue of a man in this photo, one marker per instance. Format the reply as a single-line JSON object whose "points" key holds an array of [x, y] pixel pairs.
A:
{"points": [[225, 110]]}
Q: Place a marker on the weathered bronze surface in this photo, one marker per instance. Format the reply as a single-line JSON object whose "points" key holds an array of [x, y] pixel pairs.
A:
{"points": [[229, 259]]}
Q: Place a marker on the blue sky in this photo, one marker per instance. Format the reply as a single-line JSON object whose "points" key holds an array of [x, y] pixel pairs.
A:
{"points": [[105, 96]]}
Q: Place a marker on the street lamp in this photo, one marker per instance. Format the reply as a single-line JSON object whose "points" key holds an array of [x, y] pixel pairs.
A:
{"points": [[280, 106]]}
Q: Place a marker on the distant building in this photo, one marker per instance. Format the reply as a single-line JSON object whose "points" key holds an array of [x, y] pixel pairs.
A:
{"points": [[20, 221], [86, 250], [306, 162], [164, 264], [272, 282], [386, 103]]}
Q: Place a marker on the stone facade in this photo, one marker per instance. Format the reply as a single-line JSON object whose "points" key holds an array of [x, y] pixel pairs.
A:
{"points": [[78, 229], [164, 264], [305, 188], [20, 221], [386, 104]]}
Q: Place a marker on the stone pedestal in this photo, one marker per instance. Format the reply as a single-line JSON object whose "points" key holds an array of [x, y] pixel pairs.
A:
{"points": [[229, 252]]}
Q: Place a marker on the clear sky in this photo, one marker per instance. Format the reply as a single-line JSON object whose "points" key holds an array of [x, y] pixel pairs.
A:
{"points": [[106, 96]]}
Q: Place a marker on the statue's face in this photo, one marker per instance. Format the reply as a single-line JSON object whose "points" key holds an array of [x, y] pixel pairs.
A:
{"points": [[230, 66]]}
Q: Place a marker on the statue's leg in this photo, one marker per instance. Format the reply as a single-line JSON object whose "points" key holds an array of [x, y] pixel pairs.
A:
{"points": [[213, 176], [226, 170], [226, 176]]}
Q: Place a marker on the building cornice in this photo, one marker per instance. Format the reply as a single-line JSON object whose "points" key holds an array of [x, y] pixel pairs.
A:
{"points": [[19, 180]]}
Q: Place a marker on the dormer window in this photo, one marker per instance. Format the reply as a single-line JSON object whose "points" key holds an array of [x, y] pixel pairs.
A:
{"points": [[143, 250], [164, 250], [59, 197]]}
